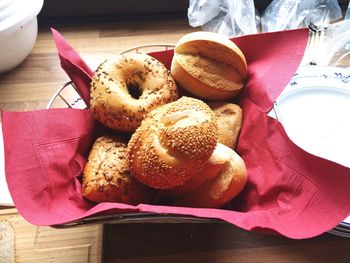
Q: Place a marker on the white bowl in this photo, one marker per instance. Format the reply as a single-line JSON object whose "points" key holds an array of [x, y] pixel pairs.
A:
{"points": [[18, 31]]}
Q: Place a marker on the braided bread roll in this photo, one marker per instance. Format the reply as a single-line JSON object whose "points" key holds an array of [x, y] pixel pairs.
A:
{"points": [[173, 143]]}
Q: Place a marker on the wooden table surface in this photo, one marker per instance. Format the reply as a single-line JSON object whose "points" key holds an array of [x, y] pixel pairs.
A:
{"points": [[31, 85]]}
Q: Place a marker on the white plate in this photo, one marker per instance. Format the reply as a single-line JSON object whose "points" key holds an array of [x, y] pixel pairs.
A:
{"points": [[317, 119], [314, 109]]}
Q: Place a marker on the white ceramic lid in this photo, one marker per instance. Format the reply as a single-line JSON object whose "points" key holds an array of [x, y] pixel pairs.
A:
{"points": [[16, 13]]}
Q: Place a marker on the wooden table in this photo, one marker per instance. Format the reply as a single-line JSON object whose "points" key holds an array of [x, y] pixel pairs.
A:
{"points": [[31, 85]]}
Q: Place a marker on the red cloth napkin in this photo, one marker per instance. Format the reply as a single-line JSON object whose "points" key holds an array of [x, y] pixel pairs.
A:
{"points": [[289, 191], [78, 71]]}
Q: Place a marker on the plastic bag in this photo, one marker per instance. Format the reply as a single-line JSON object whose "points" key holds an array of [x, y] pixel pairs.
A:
{"points": [[230, 18], [336, 46], [290, 14], [347, 14]]}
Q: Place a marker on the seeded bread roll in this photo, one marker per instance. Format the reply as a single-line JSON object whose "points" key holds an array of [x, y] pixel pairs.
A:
{"points": [[126, 87], [173, 143], [229, 116], [107, 178], [209, 66]]}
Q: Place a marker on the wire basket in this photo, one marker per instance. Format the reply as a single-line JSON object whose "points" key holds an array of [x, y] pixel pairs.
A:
{"points": [[68, 97]]}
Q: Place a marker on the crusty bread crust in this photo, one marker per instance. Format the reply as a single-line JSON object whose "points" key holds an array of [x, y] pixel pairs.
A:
{"points": [[106, 176], [209, 66], [201, 84], [126, 87], [213, 46], [225, 175], [173, 143], [230, 117]]}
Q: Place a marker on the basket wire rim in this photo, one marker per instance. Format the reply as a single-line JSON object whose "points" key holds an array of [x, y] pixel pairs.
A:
{"points": [[135, 217]]}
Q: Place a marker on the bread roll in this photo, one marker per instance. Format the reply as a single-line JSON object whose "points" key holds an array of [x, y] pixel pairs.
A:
{"points": [[209, 66], [223, 178], [229, 118], [209, 172], [106, 176], [126, 87], [173, 142]]}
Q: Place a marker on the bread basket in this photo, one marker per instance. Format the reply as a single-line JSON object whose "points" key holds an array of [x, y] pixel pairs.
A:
{"points": [[67, 97]]}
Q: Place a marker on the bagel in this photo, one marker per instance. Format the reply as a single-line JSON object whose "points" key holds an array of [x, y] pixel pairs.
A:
{"points": [[223, 177], [229, 117], [173, 142], [209, 66], [106, 177], [126, 87]]}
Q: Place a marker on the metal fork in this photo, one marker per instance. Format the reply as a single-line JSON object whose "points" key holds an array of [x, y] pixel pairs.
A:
{"points": [[315, 44], [318, 22], [313, 55]]}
